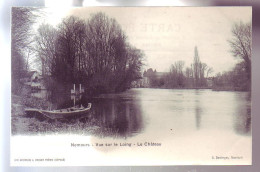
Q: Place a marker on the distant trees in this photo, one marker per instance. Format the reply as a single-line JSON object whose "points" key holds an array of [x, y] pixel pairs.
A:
{"points": [[235, 79], [194, 76], [93, 52], [196, 68], [176, 77], [197, 75], [199, 71]]}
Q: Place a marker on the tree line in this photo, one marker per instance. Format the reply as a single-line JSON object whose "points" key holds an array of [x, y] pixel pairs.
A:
{"points": [[96, 53], [178, 76], [197, 75], [93, 52]]}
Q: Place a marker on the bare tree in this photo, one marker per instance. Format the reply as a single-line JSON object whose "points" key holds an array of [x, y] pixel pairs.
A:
{"points": [[202, 70], [106, 42], [45, 47], [209, 71], [241, 44], [93, 52], [69, 50], [176, 77], [110, 56], [22, 21]]}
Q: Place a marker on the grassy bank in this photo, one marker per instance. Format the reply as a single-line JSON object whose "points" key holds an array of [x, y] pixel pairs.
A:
{"points": [[37, 124], [23, 125]]}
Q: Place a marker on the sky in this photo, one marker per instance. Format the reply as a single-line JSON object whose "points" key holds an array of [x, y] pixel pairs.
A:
{"points": [[170, 34]]}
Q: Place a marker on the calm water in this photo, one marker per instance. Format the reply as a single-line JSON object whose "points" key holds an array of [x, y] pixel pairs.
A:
{"points": [[179, 112], [191, 126]]}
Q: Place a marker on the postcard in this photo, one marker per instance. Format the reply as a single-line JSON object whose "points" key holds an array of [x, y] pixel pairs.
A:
{"points": [[103, 86]]}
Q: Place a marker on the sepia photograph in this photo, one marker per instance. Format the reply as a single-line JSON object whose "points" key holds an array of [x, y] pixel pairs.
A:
{"points": [[131, 86]]}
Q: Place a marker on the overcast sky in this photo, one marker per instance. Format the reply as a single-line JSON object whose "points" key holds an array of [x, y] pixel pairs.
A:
{"points": [[169, 34]]}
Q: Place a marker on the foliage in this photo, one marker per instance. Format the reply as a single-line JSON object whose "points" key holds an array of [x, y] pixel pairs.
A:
{"points": [[45, 47], [192, 77], [241, 47], [235, 79], [94, 53], [22, 20]]}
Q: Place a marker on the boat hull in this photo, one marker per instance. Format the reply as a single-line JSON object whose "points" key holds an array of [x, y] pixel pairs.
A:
{"points": [[56, 115], [64, 113]]}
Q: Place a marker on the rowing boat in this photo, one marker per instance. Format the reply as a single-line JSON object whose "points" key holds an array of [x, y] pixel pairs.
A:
{"points": [[62, 113]]}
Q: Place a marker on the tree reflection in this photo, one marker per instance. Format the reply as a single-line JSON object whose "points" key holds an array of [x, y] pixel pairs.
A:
{"points": [[122, 117], [197, 109], [242, 121], [198, 116]]}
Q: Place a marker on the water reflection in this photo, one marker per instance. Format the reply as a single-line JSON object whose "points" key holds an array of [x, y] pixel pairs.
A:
{"points": [[183, 111], [198, 109], [123, 116], [242, 115], [198, 115]]}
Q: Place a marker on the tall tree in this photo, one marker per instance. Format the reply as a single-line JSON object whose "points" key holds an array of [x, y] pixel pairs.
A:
{"points": [[45, 47], [69, 50], [176, 77], [241, 45], [93, 52], [108, 51], [106, 42], [196, 67]]}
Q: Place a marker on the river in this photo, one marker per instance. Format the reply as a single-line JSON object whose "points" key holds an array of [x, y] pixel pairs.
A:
{"points": [[194, 126], [179, 112], [145, 111], [188, 126]]}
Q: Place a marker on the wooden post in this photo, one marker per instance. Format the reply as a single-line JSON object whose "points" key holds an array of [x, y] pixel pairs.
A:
{"points": [[74, 88], [80, 88]]}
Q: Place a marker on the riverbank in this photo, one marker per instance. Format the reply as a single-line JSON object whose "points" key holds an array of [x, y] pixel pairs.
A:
{"points": [[202, 88], [229, 89], [22, 125], [37, 124]]}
